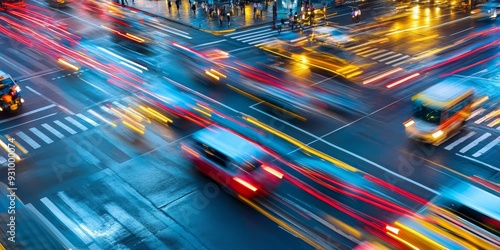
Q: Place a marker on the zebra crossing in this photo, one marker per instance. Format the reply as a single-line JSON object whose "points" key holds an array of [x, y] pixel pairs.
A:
{"points": [[257, 36], [380, 55], [473, 143], [52, 131]]}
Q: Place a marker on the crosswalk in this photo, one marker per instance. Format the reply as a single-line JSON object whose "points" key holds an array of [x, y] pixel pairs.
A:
{"points": [[380, 55], [257, 36], [473, 143], [49, 132]]}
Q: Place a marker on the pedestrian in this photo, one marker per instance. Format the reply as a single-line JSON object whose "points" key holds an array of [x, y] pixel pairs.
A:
{"points": [[221, 19], [169, 6], [259, 9], [193, 7], [228, 19], [242, 7], [254, 9], [280, 27], [177, 4]]}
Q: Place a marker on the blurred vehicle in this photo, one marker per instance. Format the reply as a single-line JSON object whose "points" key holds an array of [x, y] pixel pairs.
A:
{"points": [[241, 167], [490, 10], [462, 217], [331, 35], [57, 3], [207, 66], [14, 3], [440, 111], [10, 98], [398, 13]]}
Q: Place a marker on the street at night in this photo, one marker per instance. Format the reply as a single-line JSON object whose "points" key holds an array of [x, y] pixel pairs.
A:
{"points": [[249, 125]]}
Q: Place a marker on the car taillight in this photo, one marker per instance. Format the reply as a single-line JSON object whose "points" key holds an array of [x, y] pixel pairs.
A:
{"points": [[246, 184], [272, 171], [393, 230]]}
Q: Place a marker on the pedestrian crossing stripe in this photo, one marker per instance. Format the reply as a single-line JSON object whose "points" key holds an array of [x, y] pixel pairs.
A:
{"points": [[88, 120], [52, 130], [28, 140], [41, 135], [63, 126]]}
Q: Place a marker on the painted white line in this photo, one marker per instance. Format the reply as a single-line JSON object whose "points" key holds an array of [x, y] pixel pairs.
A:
{"points": [[66, 221], [107, 110], [480, 162], [257, 43], [169, 30], [95, 86], [67, 244], [450, 22], [245, 31], [88, 120], [28, 113], [85, 154], [40, 75], [246, 35], [122, 58], [385, 54], [2, 160], [362, 49], [399, 63], [119, 105], [41, 135], [398, 59], [205, 44], [30, 121], [456, 33], [390, 57], [76, 123], [487, 147], [475, 142], [28, 140], [234, 50], [460, 140], [63, 126], [366, 52], [50, 100], [256, 38], [53, 130], [14, 63], [374, 53], [130, 66], [475, 113]]}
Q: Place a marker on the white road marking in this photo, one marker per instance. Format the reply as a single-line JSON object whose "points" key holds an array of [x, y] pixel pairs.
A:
{"points": [[390, 57], [171, 30], [474, 143], [50, 100], [28, 139], [487, 147], [362, 49], [480, 162], [460, 140], [363, 54], [67, 244], [30, 121], [2, 160], [244, 31], [234, 50], [66, 221], [119, 105], [40, 75], [76, 123], [122, 58], [205, 44], [63, 126], [385, 54], [398, 59], [41, 135], [19, 66], [374, 53], [95, 86], [456, 33], [53, 130], [28, 113], [88, 120], [399, 63]]}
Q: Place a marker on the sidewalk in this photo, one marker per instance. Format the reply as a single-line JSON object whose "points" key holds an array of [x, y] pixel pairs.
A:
{"points": [[201, 20]]}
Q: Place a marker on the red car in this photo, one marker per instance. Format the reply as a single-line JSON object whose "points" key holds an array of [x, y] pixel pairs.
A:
{"points": [[240, 166]]}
